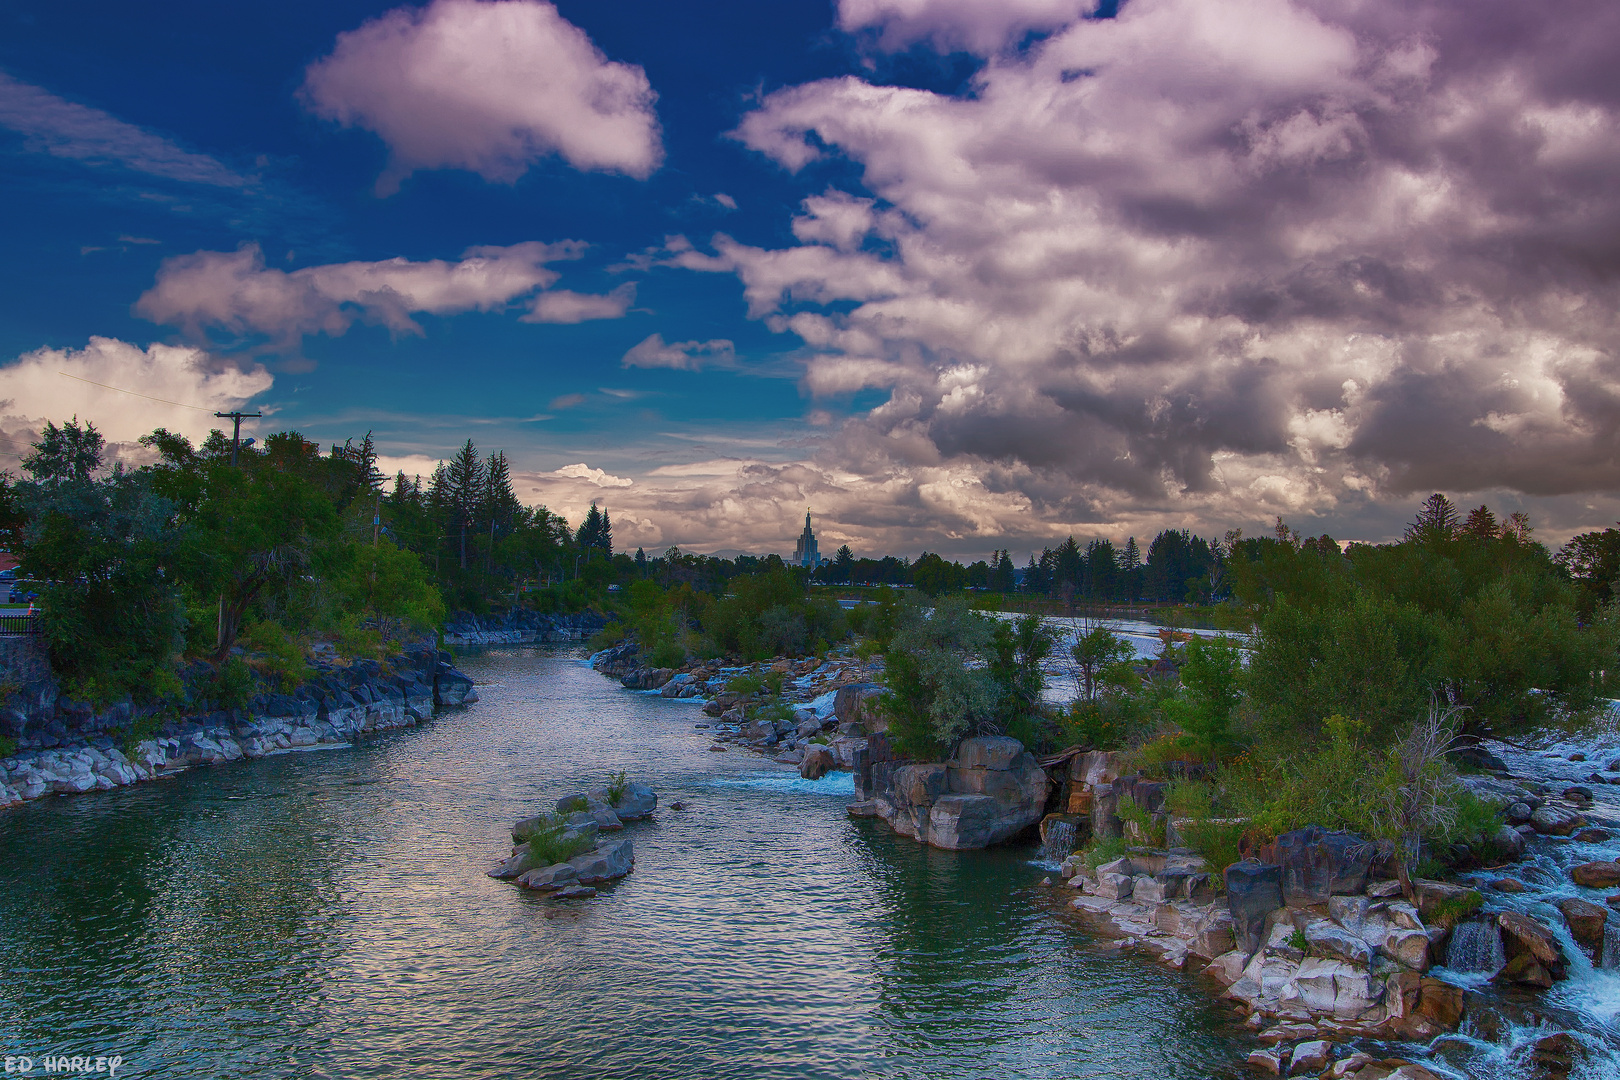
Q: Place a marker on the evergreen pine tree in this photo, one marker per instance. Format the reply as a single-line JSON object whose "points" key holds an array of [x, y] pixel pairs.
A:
{"points": [[606, 540], [1481, 524], [466, 482], [364, 457], [1436, 520], [589, 536]]}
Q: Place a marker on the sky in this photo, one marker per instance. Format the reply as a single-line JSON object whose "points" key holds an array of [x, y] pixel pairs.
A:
{"points": [[955, 275]]}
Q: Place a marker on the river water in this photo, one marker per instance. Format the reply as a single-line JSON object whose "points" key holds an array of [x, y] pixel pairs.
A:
{"points": [[327, 914]]}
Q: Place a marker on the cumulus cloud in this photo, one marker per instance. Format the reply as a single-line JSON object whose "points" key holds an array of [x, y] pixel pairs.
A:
{"points": [[968, 24], [1214, 262], [598, 477], [487, 87], [68, 130], [563, 306], [655, 352], [173, 387], [236, 292]]}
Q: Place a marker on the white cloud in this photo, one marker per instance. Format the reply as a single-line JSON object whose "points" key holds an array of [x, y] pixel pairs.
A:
{"points": [[69, 130], [487, 87], [1264, 256], [236, 292], [174, 387], [981, 26], [654, 352], [563, 306], [597, 477]]}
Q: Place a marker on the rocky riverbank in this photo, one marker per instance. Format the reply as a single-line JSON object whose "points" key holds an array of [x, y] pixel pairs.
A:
{"points": [[1312, 939], [67, 747], [521, 627], [1337, 972]]}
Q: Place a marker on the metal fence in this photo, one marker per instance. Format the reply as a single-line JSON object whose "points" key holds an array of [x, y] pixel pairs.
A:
{"points": [[18, 622]]}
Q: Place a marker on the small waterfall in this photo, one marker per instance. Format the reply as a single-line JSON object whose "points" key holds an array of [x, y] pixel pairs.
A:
{"points": [[1058, 843], [1476, 947], [1610, 960]]}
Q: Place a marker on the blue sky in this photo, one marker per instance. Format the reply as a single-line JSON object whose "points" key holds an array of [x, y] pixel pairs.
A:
{"points": [[959, 275]]}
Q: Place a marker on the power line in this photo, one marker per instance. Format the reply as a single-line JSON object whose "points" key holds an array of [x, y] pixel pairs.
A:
{"points": [[148, 397]]}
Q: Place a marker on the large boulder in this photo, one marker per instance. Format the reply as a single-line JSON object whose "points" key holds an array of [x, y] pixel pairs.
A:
{"points": [[1597, 875], [637, 801], [451, 687], [1585, 921], [1253, 891], [1317, 863], [992, 791], [861, 703], [609, 861], [1556, 821], [818, 762], [1534, 955]]}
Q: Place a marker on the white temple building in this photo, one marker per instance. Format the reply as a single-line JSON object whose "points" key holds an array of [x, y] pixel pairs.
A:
{"points": [[806, 553]]}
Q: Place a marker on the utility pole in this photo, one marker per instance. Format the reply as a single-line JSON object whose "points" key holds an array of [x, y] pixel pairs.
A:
{"points": [[236, 436]]}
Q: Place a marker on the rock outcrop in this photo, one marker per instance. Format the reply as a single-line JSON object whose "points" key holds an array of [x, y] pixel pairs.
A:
{"points": [[71, 748], [989, 793]]}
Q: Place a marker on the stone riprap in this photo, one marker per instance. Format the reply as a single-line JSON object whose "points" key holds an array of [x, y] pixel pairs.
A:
{"points": [[343, 702]]}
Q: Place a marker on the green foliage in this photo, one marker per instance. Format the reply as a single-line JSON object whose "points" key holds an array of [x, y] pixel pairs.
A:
{"points": [[276, 655], [232, 684], [1103, 850], [1151, 831], [1190, 799], [1490, 623], [1210, 675], [1297, 941], [574, 805], [1219, 842], [771, 614], [110, 611], [938, 689], [745, 682], [607, 637], [1098, 654], [616, 787], [8, 746], [1454, 909], [550, 841], [1477, 820]]}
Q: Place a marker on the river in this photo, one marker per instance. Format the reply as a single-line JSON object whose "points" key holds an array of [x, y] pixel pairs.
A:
{"points": [[327, 914]]}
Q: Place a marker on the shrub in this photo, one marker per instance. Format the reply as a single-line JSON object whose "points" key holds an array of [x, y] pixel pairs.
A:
{"points": [[232, 684], [607, 637], [1104, 849], [667, 654], [8, 746], [1152, 831], [616, 787], [551, 841], [746, 682], [1190, 799], [280, 658], [1219, 842]]}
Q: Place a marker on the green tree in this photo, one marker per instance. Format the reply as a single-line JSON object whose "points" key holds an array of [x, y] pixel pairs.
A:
{"points": [[1211, 674], [69, 452], [844, 565], [938, 689], [105, 549], [1097, 651]]}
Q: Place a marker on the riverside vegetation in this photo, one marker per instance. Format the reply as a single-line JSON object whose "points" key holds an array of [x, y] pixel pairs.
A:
{"points": [[1336, 752]]}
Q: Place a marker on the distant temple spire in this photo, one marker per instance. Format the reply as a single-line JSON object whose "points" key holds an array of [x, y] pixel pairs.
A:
{"points": [[806, 553]]}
